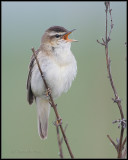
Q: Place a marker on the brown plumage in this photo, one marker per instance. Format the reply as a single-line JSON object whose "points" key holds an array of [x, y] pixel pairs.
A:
{"points": [[30, 96]]}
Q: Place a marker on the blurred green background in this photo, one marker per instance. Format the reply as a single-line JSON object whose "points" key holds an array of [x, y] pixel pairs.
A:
{"points": [[87, 107]]}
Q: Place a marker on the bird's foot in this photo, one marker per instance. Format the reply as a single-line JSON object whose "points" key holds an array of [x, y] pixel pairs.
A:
{"points": [[48, 92], [58, 122]]}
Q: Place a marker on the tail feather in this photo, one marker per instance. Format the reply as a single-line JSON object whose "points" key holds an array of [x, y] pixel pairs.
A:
{"points": [[43, 110]]}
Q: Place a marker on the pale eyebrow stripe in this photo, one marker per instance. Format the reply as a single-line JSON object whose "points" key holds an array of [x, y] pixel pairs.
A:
{"points": [[54, 33]]}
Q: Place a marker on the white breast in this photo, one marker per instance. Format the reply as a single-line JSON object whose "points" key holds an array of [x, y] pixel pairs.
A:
{"points": [[59, 72]]}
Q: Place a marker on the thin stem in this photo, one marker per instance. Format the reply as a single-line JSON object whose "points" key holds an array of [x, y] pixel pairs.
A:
{"points": [[124, 142], [108, 61], [64, 131], [59, 142], [120, 143], [114, 90], [53, 104], [112, 142]]}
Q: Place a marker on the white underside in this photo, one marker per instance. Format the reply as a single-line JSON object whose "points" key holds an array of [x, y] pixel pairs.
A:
{"points": [[59, 71]]}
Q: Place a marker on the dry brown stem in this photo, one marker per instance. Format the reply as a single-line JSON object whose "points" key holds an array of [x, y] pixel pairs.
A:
{"points": [[59, 142], [117, 100]]}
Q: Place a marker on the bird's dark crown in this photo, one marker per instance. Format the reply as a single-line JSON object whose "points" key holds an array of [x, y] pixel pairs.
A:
{"points": [[57, 29]]}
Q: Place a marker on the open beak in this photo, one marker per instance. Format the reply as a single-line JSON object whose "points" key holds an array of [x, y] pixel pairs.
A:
{"points": [[65, 36]]}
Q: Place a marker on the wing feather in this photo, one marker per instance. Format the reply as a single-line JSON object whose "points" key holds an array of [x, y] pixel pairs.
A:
{"points": [[30, 96]]}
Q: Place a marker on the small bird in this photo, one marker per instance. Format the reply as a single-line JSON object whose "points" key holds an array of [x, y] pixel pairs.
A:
{"points": [[59, 67]]}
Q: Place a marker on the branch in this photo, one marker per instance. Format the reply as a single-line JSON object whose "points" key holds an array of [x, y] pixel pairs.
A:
{"points": [[124, 142], [53, 105], [111, 26], [112, 142], [59, 142], [64, 131], [108, 62], [120, 143]]}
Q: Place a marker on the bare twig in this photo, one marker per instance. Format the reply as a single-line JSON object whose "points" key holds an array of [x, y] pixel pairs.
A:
{"points": [[53, 105], [112, 142], [120, 143], [100, 42], [59, 142], [111, 26], [116, 99], [124, 142], [64, 131]]}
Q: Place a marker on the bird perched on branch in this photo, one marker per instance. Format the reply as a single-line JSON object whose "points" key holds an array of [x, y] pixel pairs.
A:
{"points": [[59, 68]]}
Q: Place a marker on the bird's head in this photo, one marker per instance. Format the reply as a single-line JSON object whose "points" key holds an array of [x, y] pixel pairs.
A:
{"points": [[57, 36]]}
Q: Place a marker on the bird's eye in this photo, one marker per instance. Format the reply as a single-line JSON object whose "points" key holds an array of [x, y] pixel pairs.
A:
{"points": [[57, 35]]}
